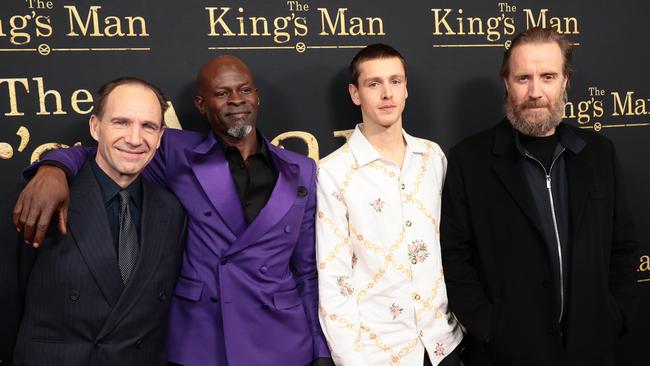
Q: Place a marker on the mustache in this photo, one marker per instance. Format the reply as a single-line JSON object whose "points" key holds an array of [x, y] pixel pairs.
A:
{"points": [[534, 104]]}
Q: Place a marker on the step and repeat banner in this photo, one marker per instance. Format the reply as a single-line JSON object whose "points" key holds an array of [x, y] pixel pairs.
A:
{"points": [[55, 53]]}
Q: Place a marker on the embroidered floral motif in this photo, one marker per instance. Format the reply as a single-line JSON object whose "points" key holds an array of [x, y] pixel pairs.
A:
{"points": [[395, 310], [377, 204], [354, 260], [418, 251], [338, 195], [440, 349], [345, 288]]}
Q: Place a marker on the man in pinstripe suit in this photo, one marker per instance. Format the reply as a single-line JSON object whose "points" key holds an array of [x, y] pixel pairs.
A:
{"points": [[100, 295]]}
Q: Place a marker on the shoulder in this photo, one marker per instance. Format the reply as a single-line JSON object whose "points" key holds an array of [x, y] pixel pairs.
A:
{"points": [[163, 197], [481, 143], [430, 147], [340, 157], [292, 157], [183, 138]]}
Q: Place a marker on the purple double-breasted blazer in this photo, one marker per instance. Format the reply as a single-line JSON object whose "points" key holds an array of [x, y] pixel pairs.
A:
{"points": [[247, 293]]}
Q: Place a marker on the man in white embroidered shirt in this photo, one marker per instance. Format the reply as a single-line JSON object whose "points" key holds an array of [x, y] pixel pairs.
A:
{"points": [[382, 293]]}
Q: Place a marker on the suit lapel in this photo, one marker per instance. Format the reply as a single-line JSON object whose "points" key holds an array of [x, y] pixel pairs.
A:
{"points": [[579, 172], [211, 170], [89, 227], [282, 198], [154, 220], [506, 165]]}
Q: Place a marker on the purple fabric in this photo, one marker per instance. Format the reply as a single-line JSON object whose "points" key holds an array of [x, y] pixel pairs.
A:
{"points": [[247, 295]]}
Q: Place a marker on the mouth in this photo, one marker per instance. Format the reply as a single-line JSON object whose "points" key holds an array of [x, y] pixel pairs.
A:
{"points": [[387, 107], [238, 115], [131, 153]]}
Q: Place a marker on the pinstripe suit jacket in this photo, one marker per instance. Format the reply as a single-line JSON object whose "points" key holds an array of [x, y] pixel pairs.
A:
{"points": [[77, 311]]}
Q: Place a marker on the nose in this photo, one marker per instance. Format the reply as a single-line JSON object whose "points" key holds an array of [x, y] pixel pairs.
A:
{"points": [[534, 89], [387, 92], [134, 135], [235, 98]]}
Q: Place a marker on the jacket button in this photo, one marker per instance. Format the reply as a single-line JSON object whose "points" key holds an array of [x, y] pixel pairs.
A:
{"points": [[214, 299], [74, 296], [263, 269], [546, 284], [207, 213], [287, 229], [162, 296], [224, 262], [139, 344]]}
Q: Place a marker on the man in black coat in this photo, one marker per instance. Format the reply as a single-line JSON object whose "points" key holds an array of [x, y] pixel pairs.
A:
{"points": [[538, 246], [100, 295]]}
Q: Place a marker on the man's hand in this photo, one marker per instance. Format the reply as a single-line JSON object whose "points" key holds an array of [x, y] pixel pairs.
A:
{"points": [[46, 193]]}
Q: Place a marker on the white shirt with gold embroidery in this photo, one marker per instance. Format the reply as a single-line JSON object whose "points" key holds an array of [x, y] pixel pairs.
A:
{"points": [[382, 292]]}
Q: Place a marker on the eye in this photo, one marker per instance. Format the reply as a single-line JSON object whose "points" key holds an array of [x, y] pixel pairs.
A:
{"points": [[245, 90], [549, 77], [120, 122], [150, 127], [221, 94], [396, 81], [373, 84]]}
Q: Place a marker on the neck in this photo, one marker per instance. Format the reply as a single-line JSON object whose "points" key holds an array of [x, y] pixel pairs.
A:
{"points": [[246, 145], [122, 180], [388, 141]]}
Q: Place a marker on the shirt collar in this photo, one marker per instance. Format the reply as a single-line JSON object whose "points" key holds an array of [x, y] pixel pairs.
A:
{"points": [[261, 146], [364, 153], [110, 189], [566, 137]]}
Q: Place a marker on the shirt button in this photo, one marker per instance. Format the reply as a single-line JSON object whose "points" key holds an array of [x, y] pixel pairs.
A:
{"points": [[139, 344], [162, 296], [74, 296], [416, 297], [287, 229], [408, 223], [402, 186], [214, 299], [263, 269], [207, 213], [421, 333], [224, 262]]}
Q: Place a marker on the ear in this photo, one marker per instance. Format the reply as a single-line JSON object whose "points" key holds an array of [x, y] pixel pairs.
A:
{"points": [[565, 82], [93, 124], [198, 103], [407, 89], [162, 132], [354, 94]]}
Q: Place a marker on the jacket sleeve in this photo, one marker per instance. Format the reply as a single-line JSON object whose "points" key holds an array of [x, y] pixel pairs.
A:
{"points": [[624, 255], [466, 294], [303, 265], [338, 298], [72, 159]]}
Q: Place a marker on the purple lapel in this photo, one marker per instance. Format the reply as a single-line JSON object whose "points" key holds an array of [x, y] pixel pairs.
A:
{"points": [[211, 170], [282, 198]]}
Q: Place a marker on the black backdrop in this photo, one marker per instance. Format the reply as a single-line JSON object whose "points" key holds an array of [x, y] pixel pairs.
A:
{"points": [[63, 49]]}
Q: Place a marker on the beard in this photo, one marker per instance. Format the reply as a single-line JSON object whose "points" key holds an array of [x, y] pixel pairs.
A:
{"points": [[539, 123], [240, 130]]}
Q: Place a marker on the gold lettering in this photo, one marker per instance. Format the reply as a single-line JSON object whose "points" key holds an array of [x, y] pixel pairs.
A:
{"points": [[115, 24], [218, 21], [41, 99], [143, 26], [624, 108], [343, 133], [13, 101], [325, 18], [306, 137], [644, 263], [171, 119], [75, 18], [75, 100]]}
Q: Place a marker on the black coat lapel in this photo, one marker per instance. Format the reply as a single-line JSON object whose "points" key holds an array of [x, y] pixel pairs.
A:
{"points": [[153, 240], [89, 227]]}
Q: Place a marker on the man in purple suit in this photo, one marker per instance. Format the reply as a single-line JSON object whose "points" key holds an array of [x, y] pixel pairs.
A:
{"points": [[247, 292]]}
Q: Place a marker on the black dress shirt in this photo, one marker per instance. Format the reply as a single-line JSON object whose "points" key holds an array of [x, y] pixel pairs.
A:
{"points": [[254, 177], [111, 200]]}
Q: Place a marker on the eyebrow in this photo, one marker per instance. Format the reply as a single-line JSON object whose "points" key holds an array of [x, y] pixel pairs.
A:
{"points": [[379, 78]]}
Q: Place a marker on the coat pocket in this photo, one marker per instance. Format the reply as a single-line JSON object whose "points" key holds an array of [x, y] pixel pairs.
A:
{"points": [[188, 288], [286, 299]]}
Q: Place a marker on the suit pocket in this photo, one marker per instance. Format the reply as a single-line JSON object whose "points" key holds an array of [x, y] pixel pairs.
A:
{"points": [[188, 288], [55, 340], [286, 299]]}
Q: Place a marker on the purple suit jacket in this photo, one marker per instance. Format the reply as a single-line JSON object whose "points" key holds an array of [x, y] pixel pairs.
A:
{"points": [[247, 294]]}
